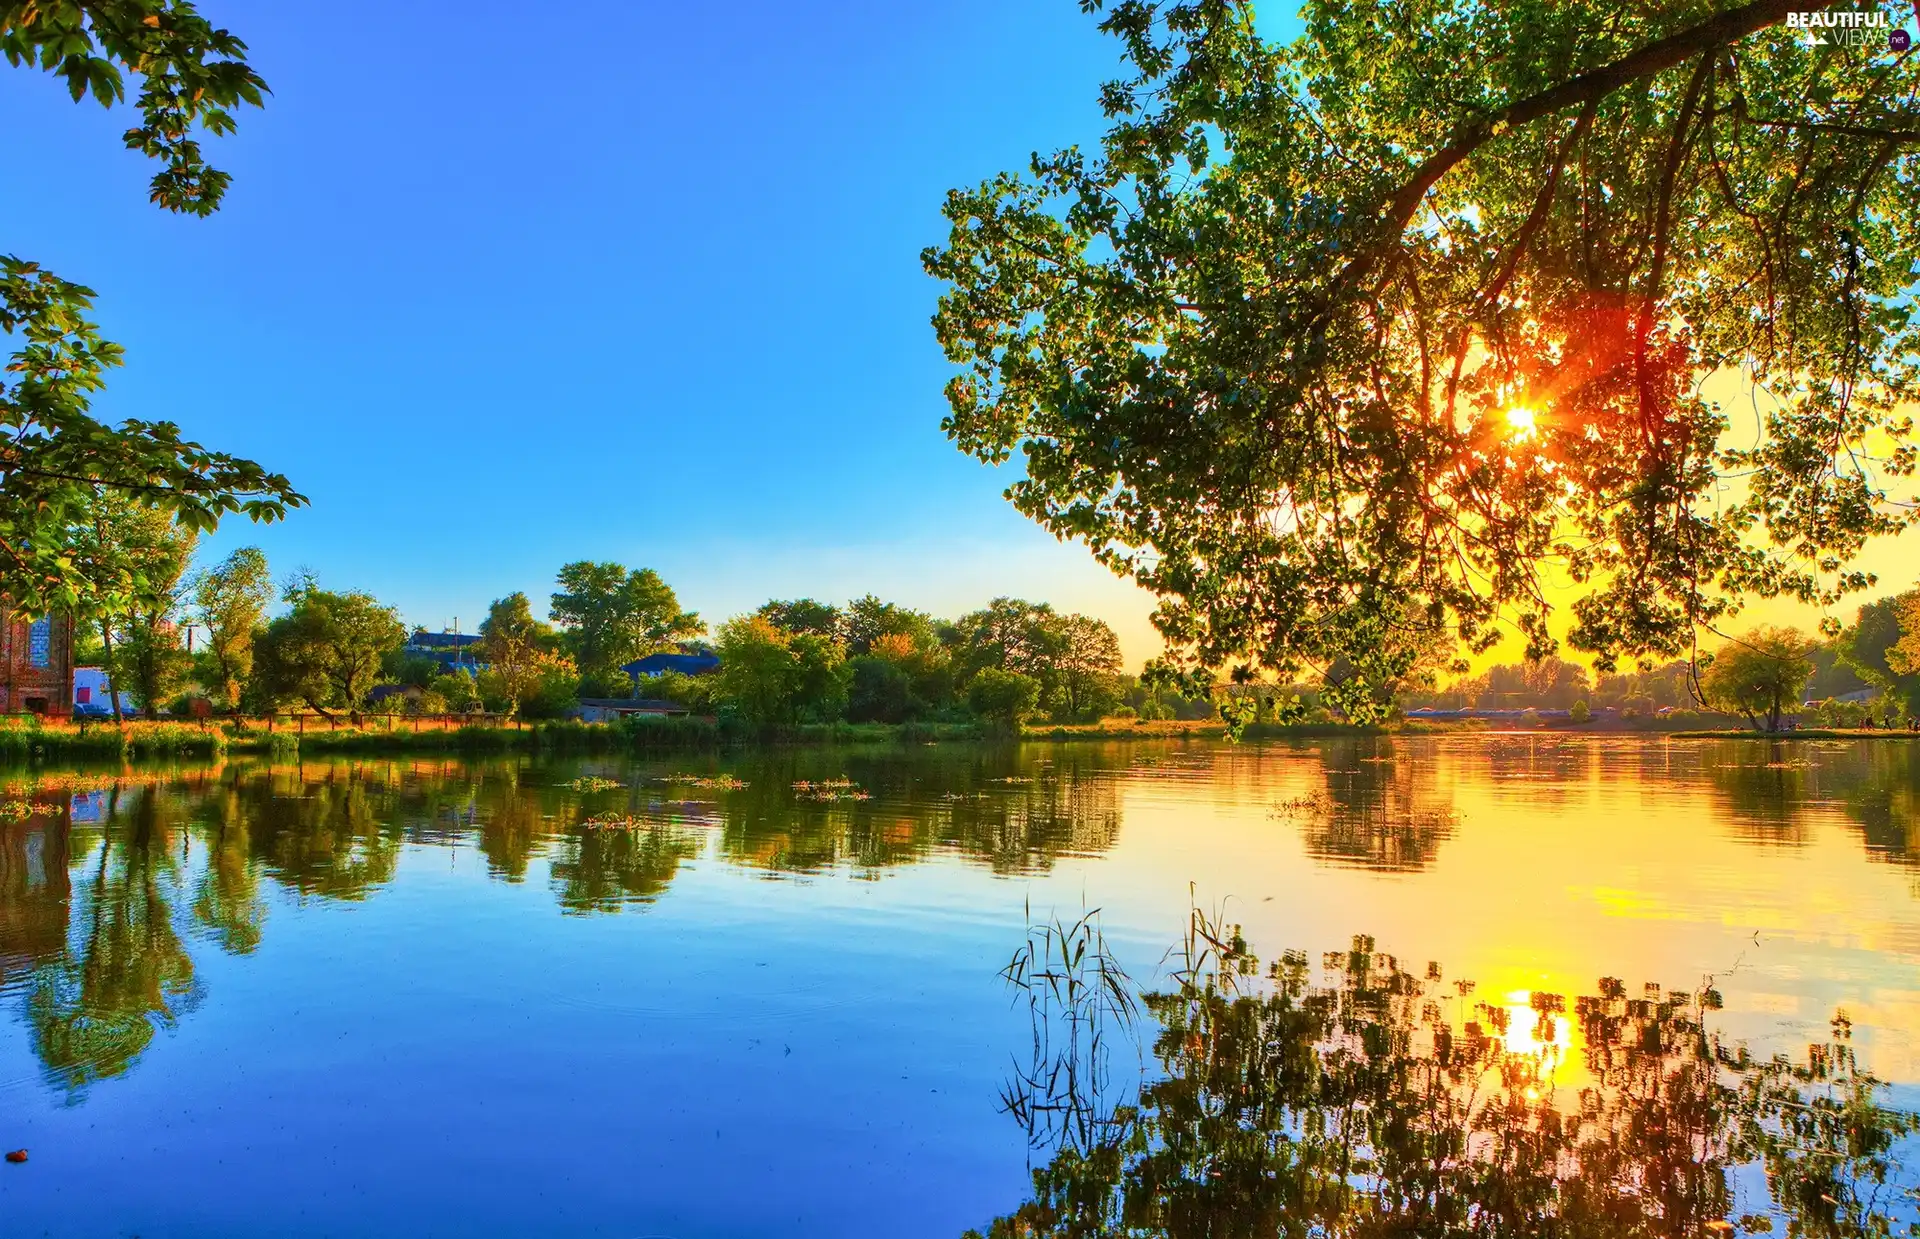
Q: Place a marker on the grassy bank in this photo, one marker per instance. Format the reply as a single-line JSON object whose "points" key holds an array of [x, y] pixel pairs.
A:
{"points": [[32, 741]]}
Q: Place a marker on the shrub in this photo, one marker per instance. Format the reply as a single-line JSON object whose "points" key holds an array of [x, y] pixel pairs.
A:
{"points": [[1004, 697]]}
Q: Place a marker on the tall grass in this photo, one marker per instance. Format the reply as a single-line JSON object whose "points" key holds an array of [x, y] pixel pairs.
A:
{"points": [[31, 741]]}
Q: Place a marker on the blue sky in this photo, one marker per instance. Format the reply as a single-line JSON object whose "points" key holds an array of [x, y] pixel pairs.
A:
{"points": [[620, 281]]}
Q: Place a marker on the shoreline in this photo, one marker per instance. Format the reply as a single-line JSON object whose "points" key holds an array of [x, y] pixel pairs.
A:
{"points": [[143, 740]]}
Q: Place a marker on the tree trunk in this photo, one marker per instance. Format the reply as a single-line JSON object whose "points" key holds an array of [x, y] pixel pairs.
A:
{"points": [[113, 688]]}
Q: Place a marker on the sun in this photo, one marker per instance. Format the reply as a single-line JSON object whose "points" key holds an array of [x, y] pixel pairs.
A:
{"points": [[1520, 421]]}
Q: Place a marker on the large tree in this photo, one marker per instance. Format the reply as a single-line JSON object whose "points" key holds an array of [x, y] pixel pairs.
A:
{"points": [[230, 600], [127, 561], [54, 455], [1385, 331], [1868, 648], [1760, 675], [517, 649], [614, 615], [326, 651]]}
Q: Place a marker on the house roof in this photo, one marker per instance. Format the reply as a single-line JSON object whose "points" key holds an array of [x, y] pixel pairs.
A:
{"points": [[685, 664]]}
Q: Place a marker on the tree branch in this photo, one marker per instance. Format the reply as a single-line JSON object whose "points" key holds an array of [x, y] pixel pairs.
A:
{"points": [[1589, 87]]}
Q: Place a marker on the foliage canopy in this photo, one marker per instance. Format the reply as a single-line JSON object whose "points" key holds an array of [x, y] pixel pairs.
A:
{"points": [[54, 454], [1393, 330]]}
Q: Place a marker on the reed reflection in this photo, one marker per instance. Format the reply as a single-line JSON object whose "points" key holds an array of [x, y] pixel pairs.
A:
{"points": [[1369, 1100]]}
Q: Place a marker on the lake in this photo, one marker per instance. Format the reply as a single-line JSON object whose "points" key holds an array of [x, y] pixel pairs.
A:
{"points": [[823, 992]]}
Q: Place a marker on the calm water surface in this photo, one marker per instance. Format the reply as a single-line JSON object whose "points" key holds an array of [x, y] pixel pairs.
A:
{"points": [[762, 994]]}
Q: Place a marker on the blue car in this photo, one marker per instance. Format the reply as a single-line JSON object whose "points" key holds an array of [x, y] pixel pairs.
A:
{"points": [[91, 709]]}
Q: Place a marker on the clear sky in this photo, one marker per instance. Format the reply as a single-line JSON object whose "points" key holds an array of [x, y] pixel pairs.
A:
{"points": [[501, 287]]}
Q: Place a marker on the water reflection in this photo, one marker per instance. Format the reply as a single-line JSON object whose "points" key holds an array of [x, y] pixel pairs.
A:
{"points": [[1383, 807], [107, 880], [125, 971], [110, 883], [1374, 1101]]}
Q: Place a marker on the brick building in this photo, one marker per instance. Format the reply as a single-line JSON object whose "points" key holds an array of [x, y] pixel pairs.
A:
{"points": [[36, 664]]}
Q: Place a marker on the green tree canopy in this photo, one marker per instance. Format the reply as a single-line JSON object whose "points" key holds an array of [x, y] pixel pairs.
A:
{"points": [[770, 675], [128, 558], [1336, 344], [230, 600], [1869, 645], [326, 651], [802, 615], [614, 615], [866, 619], [1760, 675], [517, 648], [1005, 697], [1075, 659], [54, 454]]}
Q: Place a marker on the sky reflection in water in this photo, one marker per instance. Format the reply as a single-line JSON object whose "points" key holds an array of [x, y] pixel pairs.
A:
{"points": [[425, 997]]}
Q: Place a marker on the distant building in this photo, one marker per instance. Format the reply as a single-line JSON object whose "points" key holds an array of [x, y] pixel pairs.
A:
{"points": [[684, 664], [452, 650], [92, 694], [36, 663], [607, 709]]}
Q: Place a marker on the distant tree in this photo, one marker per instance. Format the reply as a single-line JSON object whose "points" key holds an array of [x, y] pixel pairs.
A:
{"points": [[1832, 674], [129, 558], [613, 615], [327, 651], [1670, 685], [1903, 656], [457, 690], [768, 675], [515, 645], [230, 601], [756, 673], [1086, 668], [1004, 697], [1868, 648], [881, 691], [1010, 634], [1546, 683], [1760, 675], [867, 619], [802, 615], [1075, 659], [821, 677], [903, 675], [547, 686], [54, 455]]}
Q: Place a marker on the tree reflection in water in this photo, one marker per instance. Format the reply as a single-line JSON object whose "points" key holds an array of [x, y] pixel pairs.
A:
{"points": [[93, 1008], [1376, 1102]]}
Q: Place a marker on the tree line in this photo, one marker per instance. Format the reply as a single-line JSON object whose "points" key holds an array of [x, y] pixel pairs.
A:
{"points": [[789, 661], [1762, 674]]}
